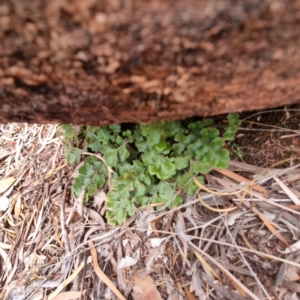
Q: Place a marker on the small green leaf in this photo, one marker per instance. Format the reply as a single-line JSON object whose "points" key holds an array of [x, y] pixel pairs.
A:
{"points": [[160, 198], [128, 135], [218, 159], [118, 209], [184, 178], [167, 169], [116, 217], [153, 138], [166, 188], [99, 180], [128, 205], [115, 128], [182, 162], [146, 179], [77, 188], [92, 189], [119, 140], [110, 155], [124, 190], [191, 187], [69, 131], [196, 146], [230, 133], [152, 189], [170, 128], [150, 157], [91, 159], [207, 122], [140, 188], [196, 126], [153, 169], [175, 201], [216, 144], [95, 146], [141, 200], [80, 180], [177, 149], [86, 170], [142, 146], [202, 167], [113, 197], [209, 133], [124, 168], [102, 134], [123, 153], [170, 199], [159, 131], [234, 119], [110, 218], [74, 156], [71, 158], [138, 166], [163, 147], [98, 165], [183, 139], [201, 152]]}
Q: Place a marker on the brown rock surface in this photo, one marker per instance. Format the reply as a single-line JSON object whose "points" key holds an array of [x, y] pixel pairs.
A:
{"points": [[113, 61]]}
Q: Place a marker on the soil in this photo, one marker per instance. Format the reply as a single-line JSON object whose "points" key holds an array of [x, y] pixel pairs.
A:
{"points": [[268, 137], [91, 62]]}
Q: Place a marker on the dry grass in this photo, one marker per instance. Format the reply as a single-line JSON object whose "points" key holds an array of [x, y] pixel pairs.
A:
{"points": [[238, 238]]}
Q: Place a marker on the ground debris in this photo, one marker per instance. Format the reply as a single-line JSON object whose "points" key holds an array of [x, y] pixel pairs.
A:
{"points": [[238, 238]]}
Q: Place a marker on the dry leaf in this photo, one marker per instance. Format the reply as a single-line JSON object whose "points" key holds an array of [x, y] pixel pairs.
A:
{"points": [[232, 217], [156, 242], [6, 183], [180, 226], [270, 226], [68, 295], [100, 199], [7, 263], [196, 285], [294, 247], [18, 207], [4, 203], [65, 283], [145, 289], [240, 287], [189, 295], [127, 262], [5, 246], [288, 192], [101, 274], [207, 266], [217, 193], [221, 210], [153, 255], [28, 181], [153, 225], [174, 296], [241, 179], [38, 295]]}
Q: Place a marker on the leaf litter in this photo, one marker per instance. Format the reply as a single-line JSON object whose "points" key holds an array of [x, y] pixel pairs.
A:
{"points": [[237, 238]]}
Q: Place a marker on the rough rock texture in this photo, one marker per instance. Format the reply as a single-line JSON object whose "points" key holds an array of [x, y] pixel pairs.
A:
{"points": [[113, 61]]}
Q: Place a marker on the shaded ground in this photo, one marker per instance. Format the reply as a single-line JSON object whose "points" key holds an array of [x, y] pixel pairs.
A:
{"points": [[223, 246], [269, 136]]}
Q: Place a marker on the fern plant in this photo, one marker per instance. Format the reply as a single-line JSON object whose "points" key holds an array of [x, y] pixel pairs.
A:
{"points": [[153, 164]]}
